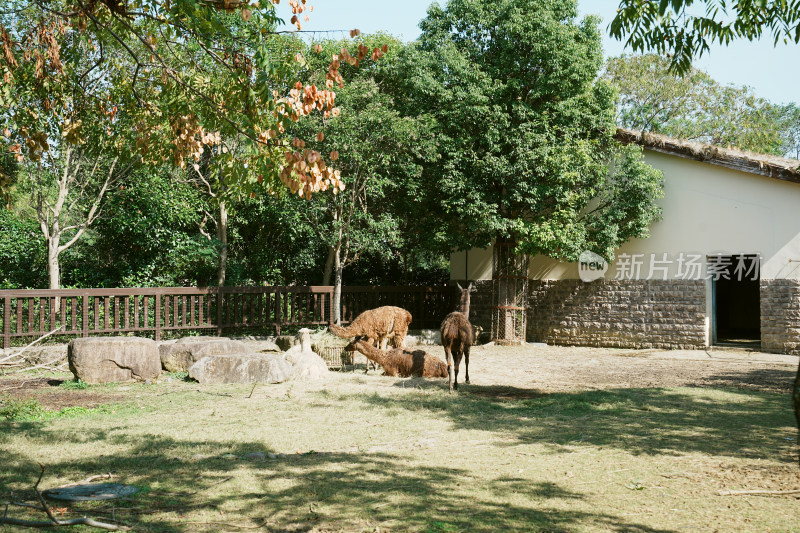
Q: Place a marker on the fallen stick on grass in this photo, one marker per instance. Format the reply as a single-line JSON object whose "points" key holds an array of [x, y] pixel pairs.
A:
{"points": [[46, 366], [756, 492], [90, 479], [72, 522], [229, 524]]}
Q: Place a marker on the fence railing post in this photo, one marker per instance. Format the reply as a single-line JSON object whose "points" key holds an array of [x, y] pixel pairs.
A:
{"points": [[220, 299], [278, 313], [157, 311], [85, 315], [331, 310], [7, 323]]}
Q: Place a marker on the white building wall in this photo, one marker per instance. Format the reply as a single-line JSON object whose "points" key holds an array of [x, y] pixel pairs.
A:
{"points": [[475, 264], [707, 210]]}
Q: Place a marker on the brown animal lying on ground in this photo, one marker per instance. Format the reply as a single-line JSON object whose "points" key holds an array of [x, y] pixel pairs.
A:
{"points": [[400, 361]]}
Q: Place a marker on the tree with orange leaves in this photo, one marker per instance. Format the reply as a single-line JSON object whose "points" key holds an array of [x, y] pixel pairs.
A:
{"points": [[196, 70], [184, 78]]}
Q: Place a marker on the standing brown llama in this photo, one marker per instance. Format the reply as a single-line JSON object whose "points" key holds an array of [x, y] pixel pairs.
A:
{"points": [[401, 361], [457, 338], [378, 327]]}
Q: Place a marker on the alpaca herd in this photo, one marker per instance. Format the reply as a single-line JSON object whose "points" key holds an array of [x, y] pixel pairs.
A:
{"points": [[372, 330], [378, 327]]}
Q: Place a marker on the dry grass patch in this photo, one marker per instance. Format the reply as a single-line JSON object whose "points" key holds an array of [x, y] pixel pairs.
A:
{"points": [[364, 452]]}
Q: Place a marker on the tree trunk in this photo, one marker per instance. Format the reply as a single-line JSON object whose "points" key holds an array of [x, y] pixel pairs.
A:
{"points": [[337, 286], [222, 235], [53, 266], [54, 270], [327, 273]]}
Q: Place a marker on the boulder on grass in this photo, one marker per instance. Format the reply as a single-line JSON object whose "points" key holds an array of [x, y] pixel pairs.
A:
{"points": [[241, 368], [182, 354], [113, 359], [262, 346]]}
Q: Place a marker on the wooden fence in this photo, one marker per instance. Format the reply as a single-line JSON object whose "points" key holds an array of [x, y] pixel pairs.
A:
{"points": [[84, 312]]}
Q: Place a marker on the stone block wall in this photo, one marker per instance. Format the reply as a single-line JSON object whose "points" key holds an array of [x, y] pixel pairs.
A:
{"points": [[625, 314], [780, 316]]}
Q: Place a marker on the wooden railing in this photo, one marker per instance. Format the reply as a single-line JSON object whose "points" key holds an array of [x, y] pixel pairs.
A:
{"points": [[85, 312]]}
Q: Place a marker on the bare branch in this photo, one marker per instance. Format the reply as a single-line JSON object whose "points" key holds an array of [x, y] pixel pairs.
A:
{"points": [[93, 211], [19, 353]]}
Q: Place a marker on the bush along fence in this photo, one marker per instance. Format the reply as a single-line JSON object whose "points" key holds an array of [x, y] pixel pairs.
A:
{"points": [[28, 314]]}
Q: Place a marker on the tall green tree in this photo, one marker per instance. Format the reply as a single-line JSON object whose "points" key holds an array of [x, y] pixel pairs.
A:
{"points": [[790, 130], [685, 29], [150, 236], [524, 130], [22, 252], [218, 176], [376, 150], [271, 243], [693, 106], [71, 148]]}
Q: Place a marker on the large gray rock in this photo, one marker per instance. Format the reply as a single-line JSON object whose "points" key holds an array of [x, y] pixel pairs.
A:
{"points": [[180, 355], [114, 359], [52, 355], [259, 343], [241, 368], [263, 346]]}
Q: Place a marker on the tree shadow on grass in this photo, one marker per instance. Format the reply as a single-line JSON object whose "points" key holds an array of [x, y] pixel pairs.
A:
{"points": [[746, 424], [186, 480], [339, 491], [777, 380]]}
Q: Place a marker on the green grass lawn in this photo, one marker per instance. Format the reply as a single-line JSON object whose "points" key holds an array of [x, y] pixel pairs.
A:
{"points": [[370, 453]]}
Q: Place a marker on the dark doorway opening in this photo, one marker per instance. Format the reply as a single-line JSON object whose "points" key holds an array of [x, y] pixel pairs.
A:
{"points": [[737, 299]]}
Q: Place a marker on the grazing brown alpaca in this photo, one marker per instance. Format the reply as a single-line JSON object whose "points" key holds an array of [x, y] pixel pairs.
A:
{"points": [[401, 361], [378, 326], [457, 338]]}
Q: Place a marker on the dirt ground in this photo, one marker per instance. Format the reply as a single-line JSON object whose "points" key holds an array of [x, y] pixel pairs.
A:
{"points": [[564, 369], [49, 393], [533, 370]]}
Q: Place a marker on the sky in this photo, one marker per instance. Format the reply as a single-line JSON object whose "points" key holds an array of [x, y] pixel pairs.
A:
{"points": [[772, 72]]}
